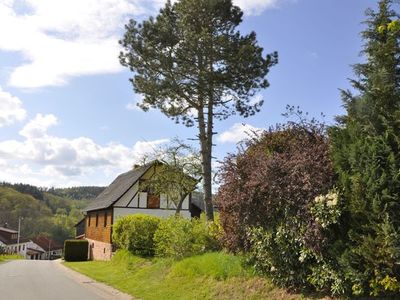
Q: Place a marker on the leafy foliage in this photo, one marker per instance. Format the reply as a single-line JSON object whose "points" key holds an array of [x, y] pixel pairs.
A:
{"points": [[192, 64], [51, 215], [36, 215], [34, 191], [366, 147], [274, 178], [77, 193], [136, 233], [178, 237], [277, 201], [174, 238], [178, 172]]}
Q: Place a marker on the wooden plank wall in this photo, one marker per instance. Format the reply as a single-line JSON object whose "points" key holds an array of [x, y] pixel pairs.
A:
{"points": [[101, 232]]}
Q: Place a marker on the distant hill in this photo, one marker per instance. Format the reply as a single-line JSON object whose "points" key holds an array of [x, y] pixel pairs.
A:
{"points": [[34, 191], [77, 193], [74, 193], [52, 212]]}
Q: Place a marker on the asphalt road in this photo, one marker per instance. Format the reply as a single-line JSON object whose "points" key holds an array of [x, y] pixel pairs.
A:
{"points": [[47, 280]]}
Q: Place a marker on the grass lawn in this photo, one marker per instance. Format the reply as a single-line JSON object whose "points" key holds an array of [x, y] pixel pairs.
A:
{"points": [[208, 276], [4, 257]]}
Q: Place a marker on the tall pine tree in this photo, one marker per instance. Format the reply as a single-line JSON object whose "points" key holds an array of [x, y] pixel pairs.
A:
{"points": [[366, 154], [193, 64]]}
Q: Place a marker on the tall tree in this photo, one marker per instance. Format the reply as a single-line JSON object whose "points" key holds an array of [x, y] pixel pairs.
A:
{"points": [[366, 153], [192, 64]]}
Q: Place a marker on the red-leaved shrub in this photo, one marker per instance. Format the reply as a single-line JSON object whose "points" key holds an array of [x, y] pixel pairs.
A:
{"points": [[274, 178]]}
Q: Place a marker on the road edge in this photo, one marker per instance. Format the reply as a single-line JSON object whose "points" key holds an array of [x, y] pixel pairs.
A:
{"points": [[99, 288]]}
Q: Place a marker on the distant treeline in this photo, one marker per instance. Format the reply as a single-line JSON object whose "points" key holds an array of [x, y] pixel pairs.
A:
{"points": [[75, 193]]}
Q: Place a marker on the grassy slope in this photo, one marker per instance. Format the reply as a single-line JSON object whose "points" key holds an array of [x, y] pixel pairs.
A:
{"points": [[209, 276], [4, 257]]}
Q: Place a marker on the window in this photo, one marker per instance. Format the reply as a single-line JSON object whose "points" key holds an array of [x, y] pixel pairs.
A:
{"points": [[105, 219], [19, 248], [23, 247], [97, 219], [88, 220]]}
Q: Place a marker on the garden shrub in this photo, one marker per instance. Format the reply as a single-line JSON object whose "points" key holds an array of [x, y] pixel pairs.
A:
{"points": [[178, 237], [271, 205], [206, 234], [136, 233], [174, 238], [76, 250]]}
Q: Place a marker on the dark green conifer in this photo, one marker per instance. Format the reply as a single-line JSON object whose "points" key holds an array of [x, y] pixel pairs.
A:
{"points": [[366, 153]]}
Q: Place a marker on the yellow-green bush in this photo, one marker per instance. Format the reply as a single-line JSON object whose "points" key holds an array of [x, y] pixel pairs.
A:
{"points": [[135, 233], [178, 237]]}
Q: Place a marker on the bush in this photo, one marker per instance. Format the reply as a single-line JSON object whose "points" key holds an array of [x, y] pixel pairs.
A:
{"points": [[136, 233], [174, 238], [274, 179], [206, 234], [76, 250], [178, 237], [277, 202]]}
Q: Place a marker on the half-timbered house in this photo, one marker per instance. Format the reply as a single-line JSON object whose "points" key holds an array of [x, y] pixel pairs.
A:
{"points": [[126, 196]]}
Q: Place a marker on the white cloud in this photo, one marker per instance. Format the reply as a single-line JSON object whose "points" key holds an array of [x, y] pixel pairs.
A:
{"points": [[62, 39], [11, 109], [256, 7], [65, 38], [44, 159], [237, 133], [37, 127]]}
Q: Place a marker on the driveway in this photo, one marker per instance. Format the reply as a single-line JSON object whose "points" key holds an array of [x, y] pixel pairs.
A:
{"points": [[49, 280]]}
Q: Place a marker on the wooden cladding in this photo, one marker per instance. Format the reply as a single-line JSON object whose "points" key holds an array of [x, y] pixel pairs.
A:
{"points": [[99, 229]]}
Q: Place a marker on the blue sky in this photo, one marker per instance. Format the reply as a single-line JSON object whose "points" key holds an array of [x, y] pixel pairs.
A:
{"points": [[66, 114]]}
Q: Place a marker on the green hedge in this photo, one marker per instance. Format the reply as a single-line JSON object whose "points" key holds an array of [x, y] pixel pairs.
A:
{"points": [[76, 250], [178, 237], [136, 233]]}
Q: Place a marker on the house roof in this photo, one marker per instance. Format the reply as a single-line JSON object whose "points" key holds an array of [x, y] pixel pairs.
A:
{"points": [[6, 241], [46, 243], [31, 251], [8, 230], [118, 188]]}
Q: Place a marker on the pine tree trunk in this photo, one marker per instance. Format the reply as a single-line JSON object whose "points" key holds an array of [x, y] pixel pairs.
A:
{"points": [[206, 156], [207, 184]]}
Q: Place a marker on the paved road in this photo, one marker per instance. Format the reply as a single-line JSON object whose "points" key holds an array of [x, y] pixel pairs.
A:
{"points": [[47, 280]]}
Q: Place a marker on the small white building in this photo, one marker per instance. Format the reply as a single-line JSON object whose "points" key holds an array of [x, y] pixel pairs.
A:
{"points": [[38, 248]]}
